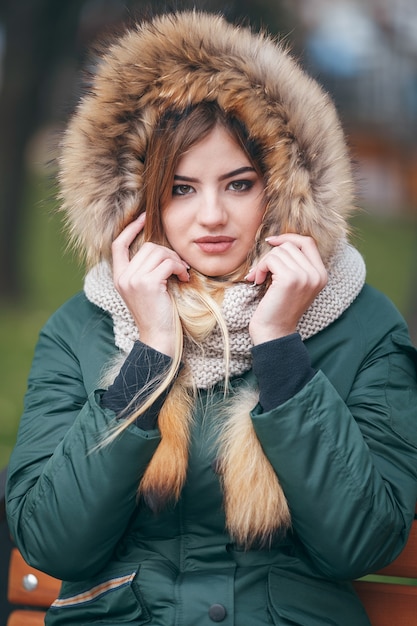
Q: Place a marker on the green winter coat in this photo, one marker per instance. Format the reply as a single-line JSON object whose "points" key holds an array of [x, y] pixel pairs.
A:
{"points": [[344, 447]]}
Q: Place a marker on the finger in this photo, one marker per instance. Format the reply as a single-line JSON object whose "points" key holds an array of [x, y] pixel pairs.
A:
{"points": [[122, 243], [151, 255], [131, 230], [152, 262], [293, 257], [285, 253], [306, 244], [288, 260], [171, 267]]}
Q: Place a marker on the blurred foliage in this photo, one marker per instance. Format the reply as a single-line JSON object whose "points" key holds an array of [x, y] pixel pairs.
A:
{"points": [[50, 275], [389, 246]]}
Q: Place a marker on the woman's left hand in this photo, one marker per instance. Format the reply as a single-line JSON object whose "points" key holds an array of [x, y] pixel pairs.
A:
{"points": [[297, 275]]}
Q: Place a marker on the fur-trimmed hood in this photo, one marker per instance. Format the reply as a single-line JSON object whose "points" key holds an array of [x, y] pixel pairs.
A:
{"points": [[177, 60]]}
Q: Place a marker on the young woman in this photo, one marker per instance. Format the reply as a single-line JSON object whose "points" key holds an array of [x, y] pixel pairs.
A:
{"points": [[222, 426]]}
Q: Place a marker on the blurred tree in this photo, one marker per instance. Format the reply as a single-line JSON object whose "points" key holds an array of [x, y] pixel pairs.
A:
{"points": [[39, 36]]}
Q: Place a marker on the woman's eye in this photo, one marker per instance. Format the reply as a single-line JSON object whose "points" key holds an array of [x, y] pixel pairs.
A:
{"points": [[181, 190], [240, 185]]}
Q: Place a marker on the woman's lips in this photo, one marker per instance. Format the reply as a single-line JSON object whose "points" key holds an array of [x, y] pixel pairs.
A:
{"points": [[214, 245]]}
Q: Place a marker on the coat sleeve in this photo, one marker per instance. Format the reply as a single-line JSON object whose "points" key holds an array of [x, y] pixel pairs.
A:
{"points": [[69, 502], [348, 465]]}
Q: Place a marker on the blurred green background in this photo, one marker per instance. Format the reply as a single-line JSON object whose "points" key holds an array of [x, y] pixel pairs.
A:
{"points": [[363, 52]]}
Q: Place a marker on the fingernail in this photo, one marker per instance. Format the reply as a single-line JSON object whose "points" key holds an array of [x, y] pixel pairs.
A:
{"points": [[253, 280]]}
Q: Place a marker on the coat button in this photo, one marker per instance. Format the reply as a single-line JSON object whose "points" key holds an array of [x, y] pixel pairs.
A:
{"points": [[217, 612]]}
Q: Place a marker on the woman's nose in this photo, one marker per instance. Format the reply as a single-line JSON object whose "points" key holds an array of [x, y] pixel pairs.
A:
{"points": [[212, 210]]}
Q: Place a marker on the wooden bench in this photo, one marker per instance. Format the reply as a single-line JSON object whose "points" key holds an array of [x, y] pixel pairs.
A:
{"points": [[30, 590], [25, 593], [389, 597]]}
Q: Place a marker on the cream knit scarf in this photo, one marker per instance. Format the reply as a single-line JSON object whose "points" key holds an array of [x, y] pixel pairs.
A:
{"points": [[346, 277], [255, 505]]}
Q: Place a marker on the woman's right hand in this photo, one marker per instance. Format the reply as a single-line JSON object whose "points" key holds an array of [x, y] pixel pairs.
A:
{"points": [[142, 283]]}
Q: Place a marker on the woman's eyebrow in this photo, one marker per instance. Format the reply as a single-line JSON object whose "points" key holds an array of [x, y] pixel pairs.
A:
{"points": [[240, 170], [188, 179]]}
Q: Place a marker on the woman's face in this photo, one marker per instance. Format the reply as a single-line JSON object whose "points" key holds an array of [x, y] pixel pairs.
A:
{"points": [[216, 206]]}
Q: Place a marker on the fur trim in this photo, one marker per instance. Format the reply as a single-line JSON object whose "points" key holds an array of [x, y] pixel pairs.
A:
{"points": [[165, 475], [255, 505], [181, 59]]}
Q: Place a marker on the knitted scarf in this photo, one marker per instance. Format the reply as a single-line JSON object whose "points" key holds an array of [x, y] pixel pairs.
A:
{"points": [[346, 277], [245, 472]]}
